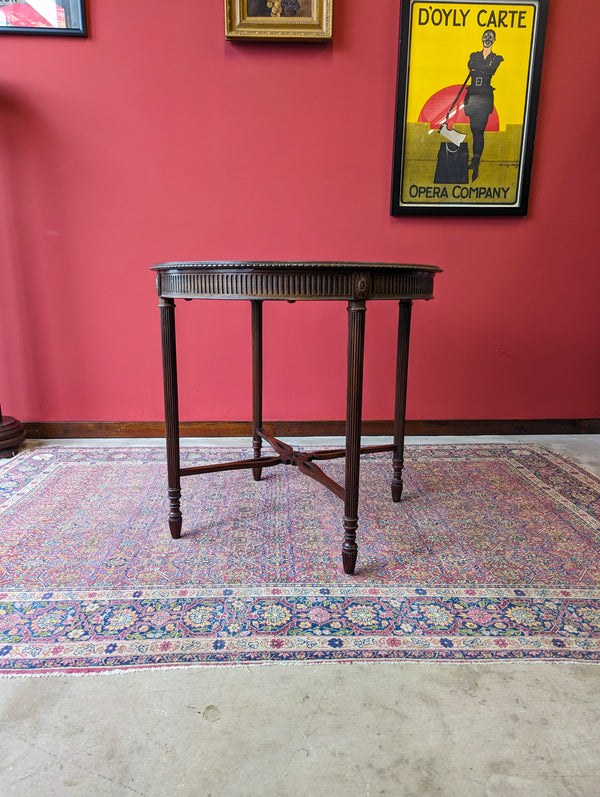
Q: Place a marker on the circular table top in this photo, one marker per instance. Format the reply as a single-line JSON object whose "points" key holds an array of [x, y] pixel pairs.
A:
{"points": [[287, 264]]}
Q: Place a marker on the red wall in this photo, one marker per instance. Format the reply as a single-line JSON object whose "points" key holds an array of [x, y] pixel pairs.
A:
{"points": [[155, 139]]}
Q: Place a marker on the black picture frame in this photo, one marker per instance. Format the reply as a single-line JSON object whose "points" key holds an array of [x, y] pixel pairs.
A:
{"points": [[466, 149], [43, 17]]}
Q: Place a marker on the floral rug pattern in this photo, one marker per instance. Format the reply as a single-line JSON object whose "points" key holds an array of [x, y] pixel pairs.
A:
{"points": [[493, 553]]}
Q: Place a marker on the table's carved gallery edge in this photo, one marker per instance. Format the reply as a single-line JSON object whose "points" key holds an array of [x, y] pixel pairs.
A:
{"points": [[257, 282]]}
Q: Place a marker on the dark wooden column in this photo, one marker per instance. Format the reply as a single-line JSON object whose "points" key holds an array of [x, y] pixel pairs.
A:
{"points": [[356, 343], [12, 434], [257, 382], [405, 308], [169, 355]]}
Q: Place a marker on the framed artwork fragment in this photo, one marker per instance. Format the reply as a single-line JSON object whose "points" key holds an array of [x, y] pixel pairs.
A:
{"points": [[278, 19], [467, 95], [48, 17]]}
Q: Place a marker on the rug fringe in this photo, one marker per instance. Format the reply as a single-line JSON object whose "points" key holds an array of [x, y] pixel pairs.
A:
{"points": [[509, 663]]}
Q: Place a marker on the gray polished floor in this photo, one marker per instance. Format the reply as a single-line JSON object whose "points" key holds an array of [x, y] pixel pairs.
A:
{"points": [[498, 729]]}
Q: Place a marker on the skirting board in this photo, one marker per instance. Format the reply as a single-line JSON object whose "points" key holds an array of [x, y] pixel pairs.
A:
{"points": [[312, 428]]}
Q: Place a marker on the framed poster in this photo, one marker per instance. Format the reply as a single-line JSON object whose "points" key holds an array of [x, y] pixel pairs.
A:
{"points": [[468, 86], [278, 19], [54, 17]]}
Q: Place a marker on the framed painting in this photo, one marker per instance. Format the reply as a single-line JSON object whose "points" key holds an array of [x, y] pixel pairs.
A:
{"points": [[53, 17], [278, 19], [466, 106]]}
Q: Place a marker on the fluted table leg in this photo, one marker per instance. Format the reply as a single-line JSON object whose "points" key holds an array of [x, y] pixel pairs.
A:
{"points": [[356, 341], [169, 355], [405, 308], [257, 382]]}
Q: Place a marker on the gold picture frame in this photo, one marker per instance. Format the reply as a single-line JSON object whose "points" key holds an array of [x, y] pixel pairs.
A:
{"points": [[303, 20]]}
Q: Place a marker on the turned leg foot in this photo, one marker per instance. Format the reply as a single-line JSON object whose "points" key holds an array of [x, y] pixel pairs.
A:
{"points": [[257, 449], [396, 489], [349, 561], [175, 517], [257, 471], [350, 548]]}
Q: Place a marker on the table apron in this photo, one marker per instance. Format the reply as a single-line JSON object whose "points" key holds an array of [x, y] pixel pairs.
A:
{"points": [[296, 286]]}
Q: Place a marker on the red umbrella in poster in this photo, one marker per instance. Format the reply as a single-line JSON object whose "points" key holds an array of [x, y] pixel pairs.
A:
{"points": [[446, 107]]}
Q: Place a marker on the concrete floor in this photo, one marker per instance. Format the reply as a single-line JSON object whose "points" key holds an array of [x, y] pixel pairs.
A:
{"points": [[499, 729]]}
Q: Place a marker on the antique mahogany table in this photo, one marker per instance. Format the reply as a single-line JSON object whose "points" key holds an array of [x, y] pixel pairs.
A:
{"points": [[354, 283]]}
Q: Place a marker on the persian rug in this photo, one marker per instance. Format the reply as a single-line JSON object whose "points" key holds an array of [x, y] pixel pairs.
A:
{"points": [[493, 553]]}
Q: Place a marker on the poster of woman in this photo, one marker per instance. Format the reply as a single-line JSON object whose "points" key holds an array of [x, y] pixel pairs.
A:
{"points": [[468, 85]]}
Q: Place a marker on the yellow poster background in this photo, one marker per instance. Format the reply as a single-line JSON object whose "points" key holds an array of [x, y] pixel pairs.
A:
{"points": [[442, 37]]}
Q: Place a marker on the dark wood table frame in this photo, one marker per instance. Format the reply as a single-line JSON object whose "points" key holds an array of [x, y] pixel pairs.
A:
{"points": [[257, 282]]}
